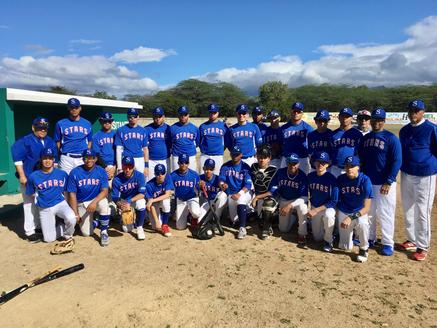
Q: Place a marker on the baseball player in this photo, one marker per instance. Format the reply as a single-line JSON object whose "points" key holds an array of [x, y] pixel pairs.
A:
{"points": [[290, 185], [320, 140], [235, 181], [381, 158], [158, 134], [131, 141], [158, 193], [26, 155], [244, 135], [88, 190], [272, 137], [354, 201], [294, 135], [323, 190], [186, 185], [344, 141], [73, 135], [418, 179], [103, 144], [257, 117], [184, 139], [128, 189], [212, 138], [49, 186], [363, 121]]}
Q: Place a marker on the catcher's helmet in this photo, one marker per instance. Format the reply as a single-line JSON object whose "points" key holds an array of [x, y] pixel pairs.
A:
{"points": [[264, 151]]}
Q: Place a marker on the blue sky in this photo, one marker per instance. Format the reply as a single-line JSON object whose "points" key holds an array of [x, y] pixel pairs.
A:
{"points": [[143, 46]]}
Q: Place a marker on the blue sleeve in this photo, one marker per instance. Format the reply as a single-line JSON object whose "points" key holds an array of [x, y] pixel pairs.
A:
{"points": [[304, 187], [57, 135], [115, 193], [169, 183], [395, 159], [95, 146], [117, 140], [90, 134], [228, 139], [334, 197], [105, 182], [197, 136], [273, 186], [247, 181], [30, 187], [52, 144], [146, 138], [71, 184], [141, 184], [222, 177], [149, 192], [18, 150], [368, 191], [258, 135], [434, 141], [168, 137]]}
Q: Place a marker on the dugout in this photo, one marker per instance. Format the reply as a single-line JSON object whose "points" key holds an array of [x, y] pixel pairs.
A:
{"points": [[19, 107]]}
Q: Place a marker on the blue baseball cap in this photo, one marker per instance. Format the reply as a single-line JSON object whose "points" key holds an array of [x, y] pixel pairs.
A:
{"points": [[257, 110], [297, 106], [183, 159], [40, 122], [346, 111], [209, 163], [132, 112], [106, 116], [235, 150], [89, 153], [322, 157], [416, 105], [322, 115], [160, 169], [47, 152], [213, 108], [158, 111], [274, 113], [183, 110], [293, 158], [352, 161], [378, 114], [73, 103], [242, 108], [128, 160]]}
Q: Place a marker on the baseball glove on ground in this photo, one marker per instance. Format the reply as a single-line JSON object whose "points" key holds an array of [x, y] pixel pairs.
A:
{"points": [[128, 217]]}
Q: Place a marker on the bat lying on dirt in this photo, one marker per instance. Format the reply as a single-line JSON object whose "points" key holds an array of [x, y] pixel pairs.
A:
{"points": [[51, 275]]}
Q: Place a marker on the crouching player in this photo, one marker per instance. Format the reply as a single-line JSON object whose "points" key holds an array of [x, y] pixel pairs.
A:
{"points": [[88, 188], [323, 190], [49, 186], [128, 189], [355, 193], [234, 179], [158, 193]]}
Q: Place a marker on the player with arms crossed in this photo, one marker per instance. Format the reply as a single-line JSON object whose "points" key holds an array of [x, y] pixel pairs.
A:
{"points": [[103, 144], [320, 140], [272, 137]]}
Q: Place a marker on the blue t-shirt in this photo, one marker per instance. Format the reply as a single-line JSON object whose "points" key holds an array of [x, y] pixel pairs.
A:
{"points": [[323, 189], [87, 184], [245, 136], [73, 135], [155, 190], [236, 177], [47, 187], [184, 138], [344, 144], [353, 192], [103, 145], [212, 186], [289, 187], [133, 140], [126, 188], [186, 184], [294, 139], [159, 141], [212, 137]]}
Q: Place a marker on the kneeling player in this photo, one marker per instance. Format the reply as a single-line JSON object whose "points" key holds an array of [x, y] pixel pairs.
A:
{"points": [[355, 193], [323, 190], [128, 189], [88, 188]]}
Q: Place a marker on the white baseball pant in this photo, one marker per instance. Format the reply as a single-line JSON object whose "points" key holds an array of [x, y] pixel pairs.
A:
{"points": [[153, 163], [244, 199], [304, 164], [287, 221], [67, 163], [361, 227], [31, 215], [323, 224], [50, 230], [139, 165], [218, 205], [250, 160], [417, 195], [192, 165], [218, 159], [183, 208], [163, 205], [86, 219]]}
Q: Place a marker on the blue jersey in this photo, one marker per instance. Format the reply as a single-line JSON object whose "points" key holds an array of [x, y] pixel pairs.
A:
{"points": [[344, 143], [323, 190], [133, 140], [126, 188], [28, 149], [419, 149], [87, 184], [320, 142], [159, 141], [103, 145], [212, 137], [212, 186], [186, 184], [236, 177], [245, 136], [273, 138], [353, 192], [294, 138], [381, 156], [154, 190], [74, 136], [289, 187], [47, 187], [262, 128], [184, 139]]}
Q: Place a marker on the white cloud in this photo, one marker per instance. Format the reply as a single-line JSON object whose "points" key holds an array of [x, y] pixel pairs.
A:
{"points": [[85, 41], [38, 49], [142, 54]]}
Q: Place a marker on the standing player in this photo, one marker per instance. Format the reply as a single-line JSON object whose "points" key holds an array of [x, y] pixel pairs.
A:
{"points": [[418, 175], [88, 188], [294, 135], [244, 135], [363, 120], [323, 190], [234, 179], [354, 202], [184, 139], [158, 134], [186, 183], [381, 158], [131, 141], [257, 117], [320, 140], [26, 155], [212, 138], [103, 144], [158, 193], [128, 189], [73, 135], [272, 137]]}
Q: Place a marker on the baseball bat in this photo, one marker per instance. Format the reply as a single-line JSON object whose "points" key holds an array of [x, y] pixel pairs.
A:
{"points": [[217, 219], [51, 275]]}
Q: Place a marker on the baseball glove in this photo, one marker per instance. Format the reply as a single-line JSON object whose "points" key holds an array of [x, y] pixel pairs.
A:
{"points": [[63, 247], [128, 217]]}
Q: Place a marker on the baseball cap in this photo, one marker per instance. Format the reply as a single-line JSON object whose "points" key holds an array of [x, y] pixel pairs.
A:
{"points": [[210, 163], [363, 113], [128, 160], [40, 122], [416, 105], [346, 111], [257, 110], [47, 152], [378, 113], [352, 161], [73, 103], [242, 108], [183, 159], [132, 112], [106, 116], [274, 113], [293, 158], [322, 157], [213, 108], [322, 115], [183, 110], [158, 111], [235, 150], [297, 106], [159, 169], [89, 153]]}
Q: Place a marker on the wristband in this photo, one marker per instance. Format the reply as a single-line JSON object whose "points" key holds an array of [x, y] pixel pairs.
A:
{"points": [[355, 216], [146, 165]]}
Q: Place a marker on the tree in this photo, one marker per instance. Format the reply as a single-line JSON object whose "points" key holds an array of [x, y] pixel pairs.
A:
{"points": [[60, 89], [102, 95], [274, 95]]}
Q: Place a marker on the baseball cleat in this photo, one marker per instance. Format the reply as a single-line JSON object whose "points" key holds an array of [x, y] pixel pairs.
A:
{"points": [[34, 238], [127, 227], [104, 238], [387, 250], [140, 233], [327, 247], [419, 255], [301, 240], [166, 230], [241, 233], [363, 256], [407, 246]]}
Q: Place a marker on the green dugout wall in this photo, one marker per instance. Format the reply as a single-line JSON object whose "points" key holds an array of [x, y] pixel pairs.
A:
{"points": [[19, 107]]}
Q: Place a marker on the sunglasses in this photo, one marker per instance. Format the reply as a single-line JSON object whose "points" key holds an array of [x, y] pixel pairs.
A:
{"points": [[106, 121], [183, 163], [157, 116], [186, 114], [132, 117], [128, 166]]}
